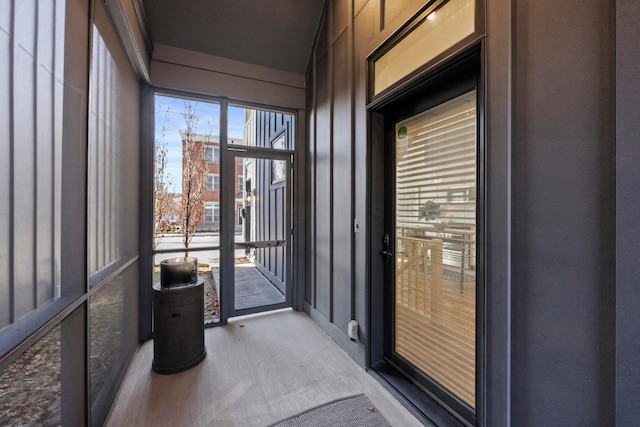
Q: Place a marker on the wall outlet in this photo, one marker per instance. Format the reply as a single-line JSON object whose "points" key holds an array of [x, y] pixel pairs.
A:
{"points": [[352, 329]]}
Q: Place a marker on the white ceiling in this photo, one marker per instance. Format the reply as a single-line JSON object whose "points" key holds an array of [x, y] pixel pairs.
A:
{"points": [[273, 33]]}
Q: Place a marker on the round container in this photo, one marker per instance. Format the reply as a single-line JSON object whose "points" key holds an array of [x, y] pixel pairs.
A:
{"points": [[178, 271]]}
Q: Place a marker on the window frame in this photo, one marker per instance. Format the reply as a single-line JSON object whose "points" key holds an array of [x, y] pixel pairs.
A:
{"points": [[414, 78], [214, 180], [438, 84], [214, 207]]}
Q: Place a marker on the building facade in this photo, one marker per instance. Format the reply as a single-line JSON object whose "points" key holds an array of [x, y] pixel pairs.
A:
{"points": [[209, 146]]}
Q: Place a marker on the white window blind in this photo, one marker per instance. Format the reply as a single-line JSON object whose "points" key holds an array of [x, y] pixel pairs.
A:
{"points": [[435, 243]]}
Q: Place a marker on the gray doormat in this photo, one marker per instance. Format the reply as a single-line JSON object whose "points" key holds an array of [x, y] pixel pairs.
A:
{"points": [[354, 411]]}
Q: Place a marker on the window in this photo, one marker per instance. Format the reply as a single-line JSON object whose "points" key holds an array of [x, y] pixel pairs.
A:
{"points": [[212, 154], [278, 167], [240, 183], [211, 212], [437, 30], [213, 182], [244, 124]]}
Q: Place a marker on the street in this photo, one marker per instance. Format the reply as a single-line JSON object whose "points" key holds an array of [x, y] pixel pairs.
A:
{"points": [[199, 240]]}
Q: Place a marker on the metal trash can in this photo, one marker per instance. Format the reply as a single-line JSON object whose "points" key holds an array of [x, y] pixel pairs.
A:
{"points": [[178, 308]]}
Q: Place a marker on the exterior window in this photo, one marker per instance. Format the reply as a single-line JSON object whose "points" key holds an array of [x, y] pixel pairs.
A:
{"points": [[211, 212], [278, 167], [212, 154], [240, 183], [213, 182], [441, 29]]}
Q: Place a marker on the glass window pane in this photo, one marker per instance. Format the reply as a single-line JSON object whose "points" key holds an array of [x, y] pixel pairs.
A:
{"points": [[187, 154], [104, 217], [247, 127], [213, 182], [261, 237], [441, 29], [106, 316], [30, 386], [436, 244]]}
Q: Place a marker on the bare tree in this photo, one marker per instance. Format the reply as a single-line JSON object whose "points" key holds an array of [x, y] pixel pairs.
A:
{"points": [[162, 198], [194, 176]]}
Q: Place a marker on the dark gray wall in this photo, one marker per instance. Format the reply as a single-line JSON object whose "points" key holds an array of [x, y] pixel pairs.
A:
{"points": [[550, 318], [338, 161], [496, 408], [563, 215], [627, 203]]}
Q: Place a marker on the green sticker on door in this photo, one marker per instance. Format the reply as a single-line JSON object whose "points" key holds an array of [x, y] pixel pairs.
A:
{"points": [[402, 132]]}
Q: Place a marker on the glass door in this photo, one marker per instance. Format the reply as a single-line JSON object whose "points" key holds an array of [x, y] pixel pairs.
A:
{"points": [[222, 194], [261, 218], [432, 246]]}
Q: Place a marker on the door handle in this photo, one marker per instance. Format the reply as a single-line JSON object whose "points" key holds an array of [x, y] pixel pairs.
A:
{"points": [[386, 252]]}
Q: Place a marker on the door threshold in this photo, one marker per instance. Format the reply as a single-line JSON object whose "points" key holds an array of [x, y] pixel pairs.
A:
{"points": [[417, 401]]}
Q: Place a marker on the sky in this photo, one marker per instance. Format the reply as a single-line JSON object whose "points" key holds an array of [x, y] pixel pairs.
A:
{"points": [[169, 118]]}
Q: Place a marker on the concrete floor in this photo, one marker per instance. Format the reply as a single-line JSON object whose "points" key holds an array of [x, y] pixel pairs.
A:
{"points": [[252, 289], [259, 370]]}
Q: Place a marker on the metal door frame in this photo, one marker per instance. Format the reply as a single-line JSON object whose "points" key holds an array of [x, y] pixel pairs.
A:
{"points": [[454, 78], [227, 229]]}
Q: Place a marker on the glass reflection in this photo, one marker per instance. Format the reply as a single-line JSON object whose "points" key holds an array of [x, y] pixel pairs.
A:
{"points": [[247, 127], [105, 332], [30, 386]]}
